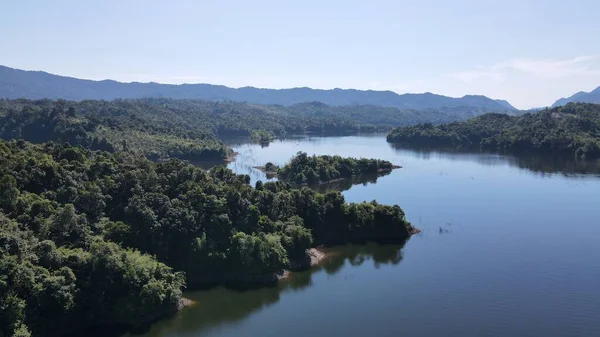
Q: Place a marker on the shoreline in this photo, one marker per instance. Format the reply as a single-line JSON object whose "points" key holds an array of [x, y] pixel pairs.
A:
{"points": [[184, 303], [264, 170], [231, 158], [414, 231], [315, 256]]}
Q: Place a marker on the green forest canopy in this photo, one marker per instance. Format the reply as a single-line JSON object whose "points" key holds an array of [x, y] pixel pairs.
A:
{"points": [[571, 129], [262, 136], [90, 238], [189, 129], [305, 169]]}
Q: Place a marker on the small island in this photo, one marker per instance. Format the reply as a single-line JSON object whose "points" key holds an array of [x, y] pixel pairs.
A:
{"points": [[303, 169], [262, 136]]}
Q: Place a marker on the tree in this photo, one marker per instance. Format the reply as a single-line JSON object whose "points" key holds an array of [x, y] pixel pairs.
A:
{"points": [[9, 193], [66, 227]]}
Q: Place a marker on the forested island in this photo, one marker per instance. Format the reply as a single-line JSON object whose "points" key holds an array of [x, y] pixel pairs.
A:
{"points": [[303, 169], [262, 136], [573, 129], [91, 238]]}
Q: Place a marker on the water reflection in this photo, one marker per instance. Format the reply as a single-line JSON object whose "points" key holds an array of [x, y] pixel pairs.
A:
{"points": [[540, 164], [346, 184], [220, 306]]}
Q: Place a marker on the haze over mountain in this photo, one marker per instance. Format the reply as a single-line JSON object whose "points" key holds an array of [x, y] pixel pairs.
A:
{"points": [[582, 97], [16, 83]]}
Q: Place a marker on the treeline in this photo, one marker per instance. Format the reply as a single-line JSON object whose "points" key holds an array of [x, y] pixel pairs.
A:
{"points": [[90, 238], [305, 169], [106, 126], [379, 115], [190, 129], [164, 128], [572, 129], [235, 118]]}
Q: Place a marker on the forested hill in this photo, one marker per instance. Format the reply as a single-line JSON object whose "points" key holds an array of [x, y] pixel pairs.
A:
{"points": [[93, 238], [15, 83], [162, 128], [97, 125], [581, 97], [571, 129]]}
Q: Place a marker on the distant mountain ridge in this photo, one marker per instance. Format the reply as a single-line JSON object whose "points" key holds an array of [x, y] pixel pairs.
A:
{"points": [[580, 97], [16, 83]]}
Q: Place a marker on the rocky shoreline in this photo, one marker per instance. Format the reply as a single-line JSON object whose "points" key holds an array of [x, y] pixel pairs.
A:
{"points": [[314, 257]]}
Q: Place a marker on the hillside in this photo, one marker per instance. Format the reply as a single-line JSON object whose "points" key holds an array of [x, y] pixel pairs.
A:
{"points": [[581, 97], [15, 83], [126, 126], [572, 129], [163, 128]]}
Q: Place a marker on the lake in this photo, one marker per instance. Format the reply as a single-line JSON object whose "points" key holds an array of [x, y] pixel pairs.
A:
{"points": [[509, 247]]}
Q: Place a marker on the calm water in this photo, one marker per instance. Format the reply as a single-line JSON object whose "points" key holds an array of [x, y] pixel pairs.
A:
{"points": [[510, 247]]}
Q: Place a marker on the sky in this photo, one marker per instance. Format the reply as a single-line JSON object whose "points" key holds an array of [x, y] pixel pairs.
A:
{"points": [[529, 52]]}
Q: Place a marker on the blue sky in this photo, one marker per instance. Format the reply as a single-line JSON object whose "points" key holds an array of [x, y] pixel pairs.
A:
{"points": [[530, 52]]}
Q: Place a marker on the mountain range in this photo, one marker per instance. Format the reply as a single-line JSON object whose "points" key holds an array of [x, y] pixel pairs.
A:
{"points": [[16, 83], [582, 96]]}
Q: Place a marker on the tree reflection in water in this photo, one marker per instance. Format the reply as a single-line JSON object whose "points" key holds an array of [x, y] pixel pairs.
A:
{"points": [[222, 306]]}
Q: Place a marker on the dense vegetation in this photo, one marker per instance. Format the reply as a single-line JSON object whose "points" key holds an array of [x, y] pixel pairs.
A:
{"points": [[90, 238], [188, 129], [305, 169], [108, 126], [571, 129], [262, 136], [16, 83], [377, 115]]}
